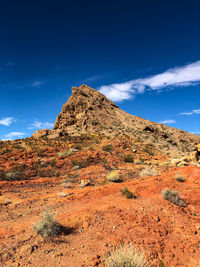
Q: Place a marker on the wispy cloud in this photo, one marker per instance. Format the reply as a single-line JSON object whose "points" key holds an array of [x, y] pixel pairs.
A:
{"points": [[186, 75], [37, 84], [41, 125], [13, 135], [7, 121], [192, 112], [167, 121]]}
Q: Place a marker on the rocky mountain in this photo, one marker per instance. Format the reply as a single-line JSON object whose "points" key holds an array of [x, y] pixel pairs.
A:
{"points": [[88, 111]]}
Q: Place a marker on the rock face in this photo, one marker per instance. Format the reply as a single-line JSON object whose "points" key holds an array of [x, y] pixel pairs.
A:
{"points": [[87, 112]]}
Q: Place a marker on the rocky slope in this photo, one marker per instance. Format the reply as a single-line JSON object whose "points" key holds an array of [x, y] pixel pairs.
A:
{"points": [[78, 172], [88, 111]]}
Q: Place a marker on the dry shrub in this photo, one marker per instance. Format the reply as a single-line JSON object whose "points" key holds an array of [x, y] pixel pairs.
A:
{"points": [[107, 148], [114, 176], [48, 226], [180, 179], [173, 197], [128, 158], [65, 153], [148, 171], [126, 256], [128, 194]]}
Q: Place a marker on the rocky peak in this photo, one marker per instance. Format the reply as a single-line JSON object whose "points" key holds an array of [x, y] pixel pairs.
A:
{"points": [[85, 110]]}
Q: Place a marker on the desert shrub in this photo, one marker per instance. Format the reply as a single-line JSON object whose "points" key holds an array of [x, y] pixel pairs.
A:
{"points": [[107, 148], [40, 172], [114, 176], [40, 152], [52, 162], [148, 171], [68, 152], [139, 161], [2, 175], [128, 158], [66, 180], [79, 164], [47, 226], [62, 194], [148, 150], [15, 174], [173, 197], [180, 179], [128, 194], [125, 256], [77, 146]]}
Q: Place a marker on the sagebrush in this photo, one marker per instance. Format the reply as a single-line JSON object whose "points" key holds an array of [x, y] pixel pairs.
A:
{"points": [[125, 256]]}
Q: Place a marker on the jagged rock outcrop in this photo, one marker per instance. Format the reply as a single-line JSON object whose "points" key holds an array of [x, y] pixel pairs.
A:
{"points": [[87, 111]]}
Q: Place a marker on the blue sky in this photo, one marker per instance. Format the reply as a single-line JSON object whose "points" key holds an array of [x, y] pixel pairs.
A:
{"points": [[144, 55]]}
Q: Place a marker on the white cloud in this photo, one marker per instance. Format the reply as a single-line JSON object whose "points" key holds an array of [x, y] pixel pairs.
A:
{"points": [[176, 77], [37, 84], [194, 111], [186, 113], [7, 121], [41, 125], [167, 121], [12, 135]]}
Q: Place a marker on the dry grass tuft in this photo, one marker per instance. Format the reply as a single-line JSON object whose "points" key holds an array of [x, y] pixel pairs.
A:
{"points": [[180, 179], [148, 171], [126, 256], [48, 226], [173, 197], [114, 177], [128, 194]]}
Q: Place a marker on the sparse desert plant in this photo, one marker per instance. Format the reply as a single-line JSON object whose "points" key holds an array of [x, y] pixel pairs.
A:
{"points": [[148, 150], [79, 164], [2, 175], [173, 197], [114, 176], [62, 194], [78, 147], [52, 162], [128, 194], [13, 175], [47, 226], [40, 152], [65, 153], [148, 171], [107, 148], [128, 158], [125, 256], [180, 179], [139, 161]]}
